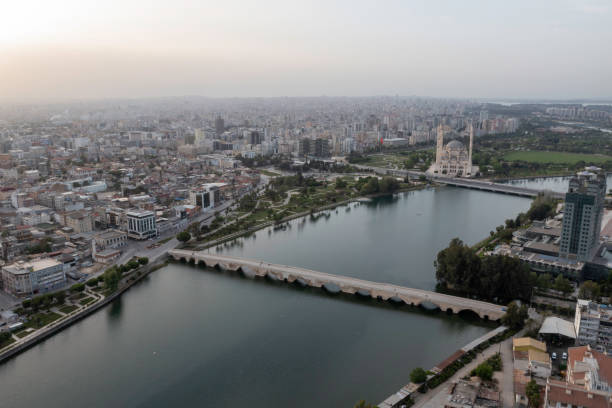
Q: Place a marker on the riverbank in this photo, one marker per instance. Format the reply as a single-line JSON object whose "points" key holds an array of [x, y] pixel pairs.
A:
{"points": [[194, 246], [56, 326]]}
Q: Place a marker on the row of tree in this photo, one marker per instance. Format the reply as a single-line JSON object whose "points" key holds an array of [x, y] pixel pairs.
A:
{"points": [[496, 278], [371, 185]]}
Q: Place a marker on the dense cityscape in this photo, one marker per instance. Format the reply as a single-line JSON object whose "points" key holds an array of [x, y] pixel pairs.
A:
{"points": [[330, 204]]}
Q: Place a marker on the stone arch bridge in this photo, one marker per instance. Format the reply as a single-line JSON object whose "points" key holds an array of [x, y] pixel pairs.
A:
{"points": [[307, 277]]}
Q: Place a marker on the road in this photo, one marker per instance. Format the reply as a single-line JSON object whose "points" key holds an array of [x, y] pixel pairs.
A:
{"points": [[439, 396]]}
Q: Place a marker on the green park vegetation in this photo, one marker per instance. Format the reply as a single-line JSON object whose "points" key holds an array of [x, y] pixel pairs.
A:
{"points": [[536, 151], [418, 375], [86, 301], [495, 278], [486, 369], [403, 159], [42, 302], [466, 358], [183, 236], [515, 316], [41, 319], [290, 196], [268, 173], [6, 339], [532, 390], [556, 157], [67, 309]]}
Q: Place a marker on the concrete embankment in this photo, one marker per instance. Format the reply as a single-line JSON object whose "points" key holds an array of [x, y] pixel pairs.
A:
{"points": [[56, 327]]}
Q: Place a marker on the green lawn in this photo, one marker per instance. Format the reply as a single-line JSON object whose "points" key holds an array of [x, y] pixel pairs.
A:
{"points": [[41, 319], [269, 173], [7, 343], [556, 157], [22, 333], [87, 300], [68, 309]]}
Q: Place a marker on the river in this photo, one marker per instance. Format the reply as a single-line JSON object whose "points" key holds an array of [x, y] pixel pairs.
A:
{"points": [[194, 337]]}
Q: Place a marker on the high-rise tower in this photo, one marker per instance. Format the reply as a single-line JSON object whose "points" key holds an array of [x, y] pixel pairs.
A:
{"points": [[584, 203]]}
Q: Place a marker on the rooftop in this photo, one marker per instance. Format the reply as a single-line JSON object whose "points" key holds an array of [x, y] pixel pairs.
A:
{"points": [[20, 268]]}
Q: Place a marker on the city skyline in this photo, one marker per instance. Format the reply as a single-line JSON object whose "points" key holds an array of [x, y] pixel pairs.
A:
{"points": [[81, 50]]}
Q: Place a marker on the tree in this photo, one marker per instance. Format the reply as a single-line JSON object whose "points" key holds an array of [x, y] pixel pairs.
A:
{"points": [[458, 267], [532, 390], [340, 183], [143, 260], [484, 371], [371, 186], [60, 297], [515, 316], [544, 281], [77, 287], [541, 208], [563, 285], [389, 185], [183, 236], [589, 290], [418, 375]]}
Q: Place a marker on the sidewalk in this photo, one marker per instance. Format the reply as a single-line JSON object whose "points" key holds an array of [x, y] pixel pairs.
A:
{"points": [[437, 397]]}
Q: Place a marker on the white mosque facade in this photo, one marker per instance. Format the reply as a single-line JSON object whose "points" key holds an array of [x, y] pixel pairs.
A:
{"points": [[453, 159]]}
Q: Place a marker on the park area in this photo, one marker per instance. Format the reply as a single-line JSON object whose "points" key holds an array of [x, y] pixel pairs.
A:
{"points": [[556, 157]]}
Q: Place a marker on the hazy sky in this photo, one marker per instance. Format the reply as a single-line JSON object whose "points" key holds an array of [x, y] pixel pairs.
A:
{"points": [[458, 48]]}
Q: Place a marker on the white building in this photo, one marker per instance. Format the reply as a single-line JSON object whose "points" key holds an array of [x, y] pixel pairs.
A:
{"points": [[141, 224], [27, 278], [453, 159], [593, 325]]}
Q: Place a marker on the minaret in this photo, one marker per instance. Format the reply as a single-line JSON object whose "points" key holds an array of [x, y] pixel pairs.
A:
{"points": [[471, 146], [439, 146]]}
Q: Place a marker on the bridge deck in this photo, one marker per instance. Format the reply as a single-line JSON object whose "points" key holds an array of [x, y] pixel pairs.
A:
{"points": [[346, 284]]}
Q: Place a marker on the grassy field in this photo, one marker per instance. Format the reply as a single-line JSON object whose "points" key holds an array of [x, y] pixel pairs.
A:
{"points": [[86, 301], [41, 319], [556, 157], [68, 309], [269, 173]]}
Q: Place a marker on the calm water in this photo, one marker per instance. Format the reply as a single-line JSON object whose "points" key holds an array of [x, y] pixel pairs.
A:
{"points": [[392, 239], [193, 337], [559, 184]]}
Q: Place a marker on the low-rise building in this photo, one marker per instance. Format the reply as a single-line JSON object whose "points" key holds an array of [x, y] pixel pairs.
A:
{"points": [[79, 221], [593, 325], [110, 239], [472, 394], [27, 278], [587, 384]]}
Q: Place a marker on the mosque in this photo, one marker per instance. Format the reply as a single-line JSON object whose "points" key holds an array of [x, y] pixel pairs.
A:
{"points": [[453, 159]]}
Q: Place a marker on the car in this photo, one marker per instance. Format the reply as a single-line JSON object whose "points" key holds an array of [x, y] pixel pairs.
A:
{"points": [[564, 356], [554, 356]]}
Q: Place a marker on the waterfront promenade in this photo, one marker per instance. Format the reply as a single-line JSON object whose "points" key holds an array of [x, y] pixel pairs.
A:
{"points": [[345, 284]]}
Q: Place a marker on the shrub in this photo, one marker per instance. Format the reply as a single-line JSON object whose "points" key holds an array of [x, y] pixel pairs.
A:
{"points": [[77, 287], [418, 375]]}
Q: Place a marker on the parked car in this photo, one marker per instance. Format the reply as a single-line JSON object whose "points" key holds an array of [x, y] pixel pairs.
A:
{"points": [[554, 356], [564, 356]]}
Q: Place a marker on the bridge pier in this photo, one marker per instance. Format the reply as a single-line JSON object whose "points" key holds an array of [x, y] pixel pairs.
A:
{"points": [[335, 283]]}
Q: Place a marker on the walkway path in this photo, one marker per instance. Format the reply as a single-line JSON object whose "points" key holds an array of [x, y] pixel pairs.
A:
{"points": [[346, 284], [439, 396]]}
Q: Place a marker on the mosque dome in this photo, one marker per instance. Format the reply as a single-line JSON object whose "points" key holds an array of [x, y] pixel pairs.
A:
{"points": [[455, 145]]}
